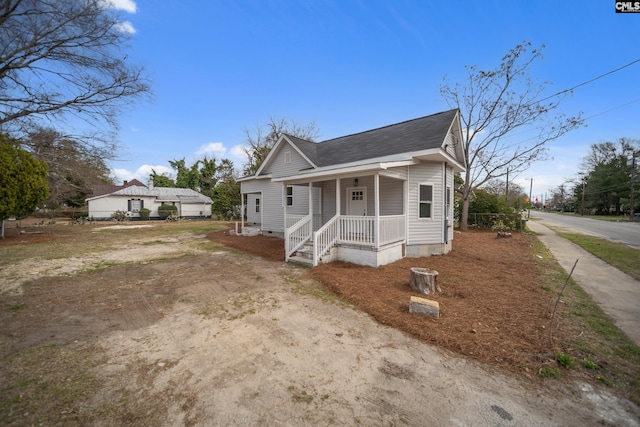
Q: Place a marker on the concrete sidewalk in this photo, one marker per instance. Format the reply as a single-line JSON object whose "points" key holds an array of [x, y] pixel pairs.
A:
{"points": [[616, 293]]}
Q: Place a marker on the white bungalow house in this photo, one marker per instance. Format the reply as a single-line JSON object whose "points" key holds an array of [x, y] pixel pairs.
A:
{"points": [[134, 195], [369, 198]]}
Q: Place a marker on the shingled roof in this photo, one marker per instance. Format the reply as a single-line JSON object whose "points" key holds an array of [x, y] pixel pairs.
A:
{"points": [[409, 136]]}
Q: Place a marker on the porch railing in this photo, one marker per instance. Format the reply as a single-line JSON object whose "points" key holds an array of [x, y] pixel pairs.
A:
{"points": [[343, 229], [325, 238], [357, 230], [296, 235], [290, 220]]}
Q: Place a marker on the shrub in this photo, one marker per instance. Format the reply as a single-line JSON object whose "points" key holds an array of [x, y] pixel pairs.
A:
{"points": [[166, 210], [120, 215], [144, 214]]}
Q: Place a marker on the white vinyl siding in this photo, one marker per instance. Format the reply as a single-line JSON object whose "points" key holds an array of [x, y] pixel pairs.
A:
{"points": [[328, 199], [421, 230], [270, 203], [391, 198], [282, 164], [300, 200]]}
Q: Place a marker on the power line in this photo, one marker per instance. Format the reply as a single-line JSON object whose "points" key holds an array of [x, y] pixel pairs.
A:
{"points": [[591, 81]]}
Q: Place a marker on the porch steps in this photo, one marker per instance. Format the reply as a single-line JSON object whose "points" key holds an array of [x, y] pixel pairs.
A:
{"points": [[301, 260], [304, 255]]}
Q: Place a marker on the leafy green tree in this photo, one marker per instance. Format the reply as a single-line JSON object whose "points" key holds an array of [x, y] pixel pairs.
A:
{"points": [[186, 177], [226, 194], [216, 179], [606, 177], [487, 202], [161, 180], [23, 183]]}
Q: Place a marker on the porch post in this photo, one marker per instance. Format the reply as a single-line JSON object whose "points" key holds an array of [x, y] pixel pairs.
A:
{"points": [[338, 180], [311, 204], [242, 210], [376, 202], [283, 200]]}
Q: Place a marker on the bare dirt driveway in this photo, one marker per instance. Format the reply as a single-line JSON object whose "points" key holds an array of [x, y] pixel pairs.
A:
{"points": [[160, 326]]}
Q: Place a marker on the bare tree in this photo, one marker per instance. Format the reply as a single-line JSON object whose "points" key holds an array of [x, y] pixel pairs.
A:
{"points": [[493, 105], [263, 138], [73, 167], [61, 59]]}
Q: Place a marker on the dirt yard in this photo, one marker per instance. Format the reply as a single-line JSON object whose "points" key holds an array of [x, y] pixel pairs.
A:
{"points": [[166, 324]]}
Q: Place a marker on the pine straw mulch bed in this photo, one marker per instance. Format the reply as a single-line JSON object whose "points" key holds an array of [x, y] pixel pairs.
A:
{"points": [[492, 306]]}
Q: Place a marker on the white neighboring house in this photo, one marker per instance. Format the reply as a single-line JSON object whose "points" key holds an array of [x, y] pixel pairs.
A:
{"points": [[369, 198], [134, 195]]}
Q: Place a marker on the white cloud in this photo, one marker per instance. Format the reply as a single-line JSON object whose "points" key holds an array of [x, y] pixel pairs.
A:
{"points": [[125, 27], [238, 151], [216, 149], [126, 5]]}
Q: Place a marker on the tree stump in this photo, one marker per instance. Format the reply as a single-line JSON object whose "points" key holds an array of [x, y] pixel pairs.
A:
{"points": [[424, 280]]}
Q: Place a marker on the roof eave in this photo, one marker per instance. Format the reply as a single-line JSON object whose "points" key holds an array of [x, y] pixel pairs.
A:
{"points": [[320, 174], [252, 177]]}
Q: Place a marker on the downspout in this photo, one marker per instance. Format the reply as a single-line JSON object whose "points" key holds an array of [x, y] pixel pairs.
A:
{"points": [[444, 200]]}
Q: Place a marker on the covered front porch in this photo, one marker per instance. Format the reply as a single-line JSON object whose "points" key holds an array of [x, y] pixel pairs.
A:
{"points": [[359, 219]]}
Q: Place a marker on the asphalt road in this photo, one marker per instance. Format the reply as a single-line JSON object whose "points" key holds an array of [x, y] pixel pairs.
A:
{"points": [[623, 231]]}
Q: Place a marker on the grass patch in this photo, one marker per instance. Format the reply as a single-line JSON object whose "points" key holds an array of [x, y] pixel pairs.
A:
{"points": [[587, 334], [318, 291], [620, 256], [51, 391], [565, 360], [17, 307], [300, 395], [549, 372]]}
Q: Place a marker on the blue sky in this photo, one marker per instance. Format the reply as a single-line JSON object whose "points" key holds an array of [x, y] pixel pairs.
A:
{"points": [[220, 67]]}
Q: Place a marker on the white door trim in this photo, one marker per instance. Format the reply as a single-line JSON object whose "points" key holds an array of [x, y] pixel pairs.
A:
{"points": [[350, 207]]}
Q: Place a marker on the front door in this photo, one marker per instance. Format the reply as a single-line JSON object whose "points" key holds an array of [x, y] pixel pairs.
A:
{"points": [[357, 201]]}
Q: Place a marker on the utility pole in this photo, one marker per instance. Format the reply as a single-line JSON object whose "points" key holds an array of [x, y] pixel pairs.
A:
{"points": [[582, 204], [530, 191], [633, 183]]}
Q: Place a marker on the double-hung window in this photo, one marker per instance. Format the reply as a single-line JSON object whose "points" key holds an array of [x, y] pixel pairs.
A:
{"points": [[425, 202], [289, 195], [135, 205]]}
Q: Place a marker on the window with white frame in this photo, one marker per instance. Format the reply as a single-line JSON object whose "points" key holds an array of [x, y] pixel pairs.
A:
{"points": [[448, 213], [425, 201], [257, 205], [135, 205], [287, 157], [289, 195]]}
